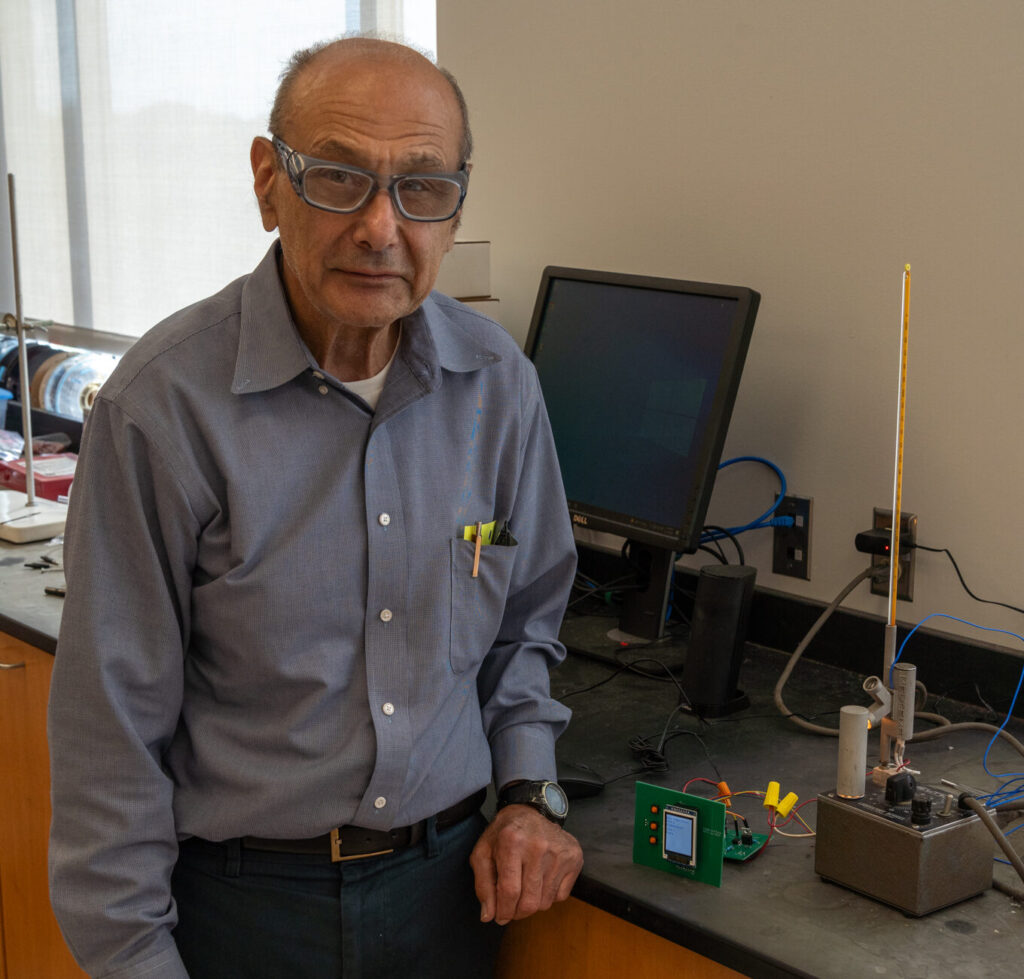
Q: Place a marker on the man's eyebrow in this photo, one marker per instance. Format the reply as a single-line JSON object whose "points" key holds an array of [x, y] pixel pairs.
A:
{"points": [[333, 147], [337, 152], [414, 162], [422, 161]]}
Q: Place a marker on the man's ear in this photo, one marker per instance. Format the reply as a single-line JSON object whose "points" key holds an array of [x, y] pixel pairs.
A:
{"points": [[263, 158], [456, 221]]}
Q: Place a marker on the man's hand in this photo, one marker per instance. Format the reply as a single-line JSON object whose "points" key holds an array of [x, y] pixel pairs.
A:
{"points": [[523, 863]]}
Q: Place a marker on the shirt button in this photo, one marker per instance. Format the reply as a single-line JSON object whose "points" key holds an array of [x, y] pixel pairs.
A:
{"points": [[385, 615], [318, 375], [323, 389], [388, 709], [384, 519], [380, 802]]}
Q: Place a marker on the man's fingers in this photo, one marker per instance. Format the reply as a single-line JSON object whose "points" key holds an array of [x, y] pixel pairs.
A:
{"points": [[562, 866], [565, 885], [529, 896], [485, 875], [523, 864], [509, 858]]}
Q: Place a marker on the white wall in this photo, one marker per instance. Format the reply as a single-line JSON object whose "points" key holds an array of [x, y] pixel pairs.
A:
{"points": [[808, 149]]}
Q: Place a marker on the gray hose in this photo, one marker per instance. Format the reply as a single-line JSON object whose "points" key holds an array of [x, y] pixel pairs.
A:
{"points": [[801, 648], [997, 833]]}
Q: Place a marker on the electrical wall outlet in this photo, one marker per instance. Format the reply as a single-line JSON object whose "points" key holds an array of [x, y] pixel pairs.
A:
{"points": [[882, 520], [791, 548]]}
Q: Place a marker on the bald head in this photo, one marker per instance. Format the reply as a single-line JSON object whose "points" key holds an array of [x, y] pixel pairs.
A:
{"points": [[363, 50]]}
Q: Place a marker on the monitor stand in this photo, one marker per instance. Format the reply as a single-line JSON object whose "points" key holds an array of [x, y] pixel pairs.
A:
{"points": [[644, 611], [641, 621]]}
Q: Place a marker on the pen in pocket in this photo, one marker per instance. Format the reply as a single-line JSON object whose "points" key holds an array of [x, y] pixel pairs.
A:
{"points": [[479, 536]]}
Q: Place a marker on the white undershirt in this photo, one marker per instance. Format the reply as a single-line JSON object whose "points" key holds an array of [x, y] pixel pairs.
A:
{"points": [[370, 388]]}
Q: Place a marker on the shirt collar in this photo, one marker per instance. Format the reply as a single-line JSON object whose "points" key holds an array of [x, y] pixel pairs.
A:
{"points": [[271, 352], [458, 349]]}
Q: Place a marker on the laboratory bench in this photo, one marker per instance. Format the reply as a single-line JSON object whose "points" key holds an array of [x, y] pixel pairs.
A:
{"points": [[772, 916]]}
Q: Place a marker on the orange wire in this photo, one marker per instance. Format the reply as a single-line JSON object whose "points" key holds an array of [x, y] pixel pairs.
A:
{"points": [[897, 509]]}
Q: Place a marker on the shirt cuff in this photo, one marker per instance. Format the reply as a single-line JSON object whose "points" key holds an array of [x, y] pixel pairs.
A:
{"points": [[523, 751]]}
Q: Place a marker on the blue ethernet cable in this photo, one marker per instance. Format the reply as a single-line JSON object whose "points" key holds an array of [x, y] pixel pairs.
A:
{"points": [[765, 519]]}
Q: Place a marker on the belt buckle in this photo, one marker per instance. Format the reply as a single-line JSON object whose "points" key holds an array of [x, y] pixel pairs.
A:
{"points": [[338, 857]]}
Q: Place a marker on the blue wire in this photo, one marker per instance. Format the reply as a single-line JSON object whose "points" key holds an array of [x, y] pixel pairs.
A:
{"points": [[998, 797], [1010, 791], [1013, 703], [763, 520], [1012, 786]]}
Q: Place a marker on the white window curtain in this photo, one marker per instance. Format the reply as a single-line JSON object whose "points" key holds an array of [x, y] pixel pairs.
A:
{"points": [[127, 127]]}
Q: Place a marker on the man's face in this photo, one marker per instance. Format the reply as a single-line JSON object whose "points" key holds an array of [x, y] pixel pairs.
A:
{"points": [[370, 268]]}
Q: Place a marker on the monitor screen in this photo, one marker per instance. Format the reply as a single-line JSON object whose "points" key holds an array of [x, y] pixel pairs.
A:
{"points": [[639, 375]]}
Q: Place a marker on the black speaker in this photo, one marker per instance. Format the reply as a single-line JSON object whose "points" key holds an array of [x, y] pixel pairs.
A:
{"points": [[718, 632]]}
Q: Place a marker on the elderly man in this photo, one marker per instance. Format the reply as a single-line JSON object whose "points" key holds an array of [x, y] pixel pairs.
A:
{"points": [[317, 557]]}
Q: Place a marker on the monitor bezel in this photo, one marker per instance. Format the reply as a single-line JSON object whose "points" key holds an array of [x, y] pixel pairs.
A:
{"points": [[683, 537]]}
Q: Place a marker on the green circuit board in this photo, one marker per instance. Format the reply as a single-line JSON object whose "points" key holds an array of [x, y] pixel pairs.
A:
{"points": [[679, 833], [735, 850]]}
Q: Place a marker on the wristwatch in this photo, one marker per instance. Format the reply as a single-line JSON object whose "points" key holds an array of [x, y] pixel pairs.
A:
{"points": [[548, 798]]}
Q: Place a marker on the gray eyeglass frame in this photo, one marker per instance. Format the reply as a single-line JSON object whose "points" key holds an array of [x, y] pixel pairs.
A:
{"points": [[297, 164]]}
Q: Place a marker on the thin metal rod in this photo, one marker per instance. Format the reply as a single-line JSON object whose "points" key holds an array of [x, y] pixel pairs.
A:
{"points": [[14, 247], [26, 392]]}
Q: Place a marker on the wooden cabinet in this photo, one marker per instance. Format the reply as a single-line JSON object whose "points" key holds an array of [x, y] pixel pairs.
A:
{"points": [[31, 946], [575, 940]]}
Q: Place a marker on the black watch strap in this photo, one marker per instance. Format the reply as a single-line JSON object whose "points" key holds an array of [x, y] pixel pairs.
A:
{"points": [[548, 798]]}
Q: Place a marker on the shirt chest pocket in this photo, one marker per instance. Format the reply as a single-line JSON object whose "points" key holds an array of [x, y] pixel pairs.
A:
{"points": [[478, 603]]}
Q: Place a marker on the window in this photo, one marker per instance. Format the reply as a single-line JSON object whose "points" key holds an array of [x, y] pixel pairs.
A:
{"points": [[127, 127]]}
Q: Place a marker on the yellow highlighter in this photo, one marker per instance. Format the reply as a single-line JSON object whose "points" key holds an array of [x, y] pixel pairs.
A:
{"points": [[484, 530]]}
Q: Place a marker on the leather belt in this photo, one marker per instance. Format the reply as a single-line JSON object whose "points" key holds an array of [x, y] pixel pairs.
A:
{"points": [[358, 843]]}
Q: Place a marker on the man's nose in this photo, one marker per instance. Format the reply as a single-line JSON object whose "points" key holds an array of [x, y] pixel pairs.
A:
{"points": [[377, 221]]}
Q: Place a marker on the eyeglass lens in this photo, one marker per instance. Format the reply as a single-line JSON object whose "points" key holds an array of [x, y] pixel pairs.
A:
{"points": [[420, 197]]}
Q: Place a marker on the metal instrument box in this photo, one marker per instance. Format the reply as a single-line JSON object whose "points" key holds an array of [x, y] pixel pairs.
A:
{"points": [[873, 847]]}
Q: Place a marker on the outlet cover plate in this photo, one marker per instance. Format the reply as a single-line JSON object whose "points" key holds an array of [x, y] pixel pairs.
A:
{"points": [[882, 519], [791, 546]]}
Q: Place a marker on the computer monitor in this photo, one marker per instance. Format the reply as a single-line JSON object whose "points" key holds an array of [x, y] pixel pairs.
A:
{"points": [[640, 375]]}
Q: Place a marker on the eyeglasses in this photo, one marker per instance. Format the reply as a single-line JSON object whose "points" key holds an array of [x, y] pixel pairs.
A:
{"points": [[343, 189]]}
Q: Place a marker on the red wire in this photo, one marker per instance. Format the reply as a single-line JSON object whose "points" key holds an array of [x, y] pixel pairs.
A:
{"points": [[692, 780]]}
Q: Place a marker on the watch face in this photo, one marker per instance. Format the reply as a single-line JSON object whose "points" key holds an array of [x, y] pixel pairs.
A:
{"points": [[556, 799]]}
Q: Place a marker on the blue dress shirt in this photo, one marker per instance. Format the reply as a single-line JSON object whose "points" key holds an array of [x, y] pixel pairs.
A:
{"points": [[272, 626]]}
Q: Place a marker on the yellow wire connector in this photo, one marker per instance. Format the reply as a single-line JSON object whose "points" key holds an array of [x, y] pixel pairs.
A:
{"points": [[783, 808], [771, 796]]}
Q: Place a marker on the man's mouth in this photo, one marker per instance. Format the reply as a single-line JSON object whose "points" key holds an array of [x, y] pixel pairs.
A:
{"points": [[372, 273]]}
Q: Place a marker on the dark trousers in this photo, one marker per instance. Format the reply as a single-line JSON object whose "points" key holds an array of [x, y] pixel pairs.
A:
{"points": [[246, 914]]}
